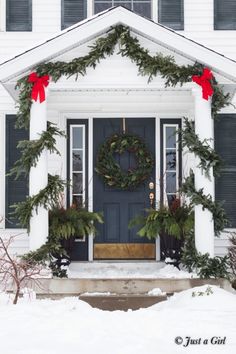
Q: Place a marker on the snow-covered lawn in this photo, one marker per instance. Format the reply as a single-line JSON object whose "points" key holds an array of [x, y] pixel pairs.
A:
{"points": [[70, 326]]}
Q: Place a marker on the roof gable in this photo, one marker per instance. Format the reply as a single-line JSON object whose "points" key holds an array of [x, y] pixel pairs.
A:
{"points": [[91, 28]]}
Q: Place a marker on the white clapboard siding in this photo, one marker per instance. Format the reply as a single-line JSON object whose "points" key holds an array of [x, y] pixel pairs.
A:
{"points": [[46, 20]]}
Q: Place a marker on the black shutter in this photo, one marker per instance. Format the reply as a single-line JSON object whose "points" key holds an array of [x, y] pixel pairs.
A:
{"points": [[72, 11], [224, 14], [171, 13], [225, 145], [19, 15], [16, 190]]}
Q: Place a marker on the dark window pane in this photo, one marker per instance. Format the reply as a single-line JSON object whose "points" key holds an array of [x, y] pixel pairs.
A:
{"points": [[171, 13], [225, 139], [225, 145], [16, 189], [77, 161], [170, 199], [143, 9], [73, 11], [170, 137], [225, 14], [125, 4], [77, 183], [101, 6], [78, 201], [226, 193], [77, 138], [170, 182], [19, 15], [170, 160]]}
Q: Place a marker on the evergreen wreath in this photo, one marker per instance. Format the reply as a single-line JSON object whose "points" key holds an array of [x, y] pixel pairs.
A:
{"points": [[110, 170]]}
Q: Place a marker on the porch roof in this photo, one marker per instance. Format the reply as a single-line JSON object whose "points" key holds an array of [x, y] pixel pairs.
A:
{"points": [[98, 25]]}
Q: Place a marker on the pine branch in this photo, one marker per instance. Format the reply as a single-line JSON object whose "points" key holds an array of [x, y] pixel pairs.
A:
{"points": [[208, 157], [47, 198], [199, 198], [32, 149]]}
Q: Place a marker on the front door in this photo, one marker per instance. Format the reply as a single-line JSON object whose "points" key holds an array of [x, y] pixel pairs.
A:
{"points": [[114, 239]]}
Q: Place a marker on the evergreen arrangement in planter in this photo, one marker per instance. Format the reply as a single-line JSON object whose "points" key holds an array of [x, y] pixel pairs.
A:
{"points": [[176, 220], [72, 222], [64, 226]]}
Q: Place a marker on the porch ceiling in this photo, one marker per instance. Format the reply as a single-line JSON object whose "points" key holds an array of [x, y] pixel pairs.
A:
{"points": [[122, 102]]}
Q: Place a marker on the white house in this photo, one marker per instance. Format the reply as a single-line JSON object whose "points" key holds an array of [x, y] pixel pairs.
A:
{"points": [[113, 97]]}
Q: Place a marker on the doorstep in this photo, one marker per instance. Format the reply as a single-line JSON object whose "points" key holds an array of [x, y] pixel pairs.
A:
{"points": [[137, 286]]}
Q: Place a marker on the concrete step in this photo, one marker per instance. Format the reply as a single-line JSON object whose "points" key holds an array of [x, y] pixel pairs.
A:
{"points": [[71, 287], [115, 269], [122, 302]]}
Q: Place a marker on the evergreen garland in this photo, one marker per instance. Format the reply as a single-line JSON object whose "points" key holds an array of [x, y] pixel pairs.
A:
{"points": [[32, 149], [205, 266], [130, 47], [208, 157], [46, 197], [198, 198]]}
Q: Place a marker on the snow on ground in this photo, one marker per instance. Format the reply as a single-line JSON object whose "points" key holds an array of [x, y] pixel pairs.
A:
{"points": [[151, 270], [70, 326]]}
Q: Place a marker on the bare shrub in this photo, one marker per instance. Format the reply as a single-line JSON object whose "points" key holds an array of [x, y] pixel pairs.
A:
{"points": [[16, 272]]}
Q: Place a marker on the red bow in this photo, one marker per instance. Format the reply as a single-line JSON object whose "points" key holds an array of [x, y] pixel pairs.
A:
{"points": [[205, 81], [38, 88]]}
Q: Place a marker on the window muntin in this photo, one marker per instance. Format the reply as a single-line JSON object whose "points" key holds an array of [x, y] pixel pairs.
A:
{"points": [[142, 7]]}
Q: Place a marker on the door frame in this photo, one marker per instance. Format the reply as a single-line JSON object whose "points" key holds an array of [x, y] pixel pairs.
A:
{"points": [[89, 116]]}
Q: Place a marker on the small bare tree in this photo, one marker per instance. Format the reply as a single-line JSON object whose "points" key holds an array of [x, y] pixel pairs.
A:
{"points": [[15, 271]]}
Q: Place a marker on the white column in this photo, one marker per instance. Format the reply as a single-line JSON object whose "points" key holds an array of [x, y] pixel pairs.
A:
{"points": [[204, 128], [38, 178]]}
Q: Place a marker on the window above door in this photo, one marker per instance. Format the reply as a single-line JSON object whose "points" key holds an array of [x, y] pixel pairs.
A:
{"points": [[141, 7]]}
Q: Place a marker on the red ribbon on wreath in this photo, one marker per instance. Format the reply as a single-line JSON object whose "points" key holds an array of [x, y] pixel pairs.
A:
{"points": [[38, 88], [205, 82]]}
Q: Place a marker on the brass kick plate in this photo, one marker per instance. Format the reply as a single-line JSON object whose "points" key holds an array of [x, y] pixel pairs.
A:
{"points": [[124, 251]]}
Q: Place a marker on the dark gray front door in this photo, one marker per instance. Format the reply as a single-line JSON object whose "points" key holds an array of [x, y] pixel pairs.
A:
{"points": [[114, 239]]}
